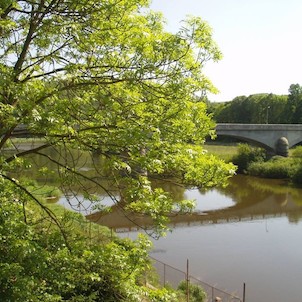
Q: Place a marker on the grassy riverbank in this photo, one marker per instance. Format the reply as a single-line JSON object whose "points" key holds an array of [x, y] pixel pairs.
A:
{"points": [[223, 151], [254, 161], [48, 253]]}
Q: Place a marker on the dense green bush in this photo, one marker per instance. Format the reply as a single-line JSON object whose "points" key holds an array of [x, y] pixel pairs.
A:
{"points": [[296, 174], [277, 167], [197, 293], [297, 152], [246, 155], [40, 261]]}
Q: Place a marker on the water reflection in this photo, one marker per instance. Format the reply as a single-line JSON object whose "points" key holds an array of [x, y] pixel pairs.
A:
{"points": [[254, 237], [245, 199], [84, 206]]}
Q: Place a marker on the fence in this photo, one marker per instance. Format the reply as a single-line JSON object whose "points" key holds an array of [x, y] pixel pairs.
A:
{"points": [[171, 276]]}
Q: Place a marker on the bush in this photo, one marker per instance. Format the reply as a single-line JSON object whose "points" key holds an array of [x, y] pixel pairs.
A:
{"points": [[197, 293], [277, 168], [296, 175], [297, 152], [247, 155], [38, 264]]}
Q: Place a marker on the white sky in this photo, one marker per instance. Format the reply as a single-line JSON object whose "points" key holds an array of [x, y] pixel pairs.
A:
{"points": [[261, 42]]}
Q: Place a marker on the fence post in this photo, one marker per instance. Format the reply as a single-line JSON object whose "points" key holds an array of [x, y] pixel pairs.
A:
{"points": [[211, 291], [188, 282]]}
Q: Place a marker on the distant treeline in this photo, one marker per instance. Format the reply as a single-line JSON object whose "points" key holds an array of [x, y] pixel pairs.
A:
{"points": [[261, 108]]}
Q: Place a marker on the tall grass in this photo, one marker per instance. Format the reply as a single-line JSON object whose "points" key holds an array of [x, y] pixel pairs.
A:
{"points": [[225, 151]]}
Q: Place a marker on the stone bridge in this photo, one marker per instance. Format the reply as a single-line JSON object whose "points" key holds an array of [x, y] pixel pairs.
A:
{"points": [[268, 136]]}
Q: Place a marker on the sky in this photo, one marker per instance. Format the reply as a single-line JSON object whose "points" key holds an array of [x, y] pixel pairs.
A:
{"points": [[261, 42]]}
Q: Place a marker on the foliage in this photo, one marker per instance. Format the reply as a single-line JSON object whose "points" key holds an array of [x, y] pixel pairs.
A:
{"points": [[254, 109], [246, 155], [99, 77], [104, 77], [161, 295], [42, 191], [297, 152], [197, 294], [37, 265], [294, 108], [296, 174], [261, 108], [282, 168], [277, 167]]}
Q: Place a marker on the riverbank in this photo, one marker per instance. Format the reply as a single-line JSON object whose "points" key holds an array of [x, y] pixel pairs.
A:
{"points": [[255, 162], [223, 151]]}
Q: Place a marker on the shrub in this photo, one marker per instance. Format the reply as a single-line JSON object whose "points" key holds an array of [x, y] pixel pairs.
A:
{"points": [[296, 175], [197, 293], [297, 152], [272, 169], [246, 155], [37, 265]]}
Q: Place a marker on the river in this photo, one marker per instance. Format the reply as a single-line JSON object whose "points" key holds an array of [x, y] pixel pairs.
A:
{"points": [[248, 233]]}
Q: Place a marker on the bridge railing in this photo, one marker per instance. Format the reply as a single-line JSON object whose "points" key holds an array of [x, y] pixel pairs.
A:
{"points": [[255, 127]]}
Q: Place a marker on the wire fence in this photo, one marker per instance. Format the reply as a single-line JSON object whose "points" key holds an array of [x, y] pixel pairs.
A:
{"points": [[171, 277]]}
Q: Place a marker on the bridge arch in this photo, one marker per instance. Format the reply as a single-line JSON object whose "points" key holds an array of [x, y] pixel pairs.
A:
{"points": [[253, 142], [266, 135], [296, 142]]}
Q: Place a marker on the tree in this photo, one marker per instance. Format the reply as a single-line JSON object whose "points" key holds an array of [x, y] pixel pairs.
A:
{"points": [[104, 77], [294, 106], [254, 109]]}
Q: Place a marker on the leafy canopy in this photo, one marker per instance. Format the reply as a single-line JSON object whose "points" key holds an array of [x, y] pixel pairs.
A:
{"points": [[104, 76]]}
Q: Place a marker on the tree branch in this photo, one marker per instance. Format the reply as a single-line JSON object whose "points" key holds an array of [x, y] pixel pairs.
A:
{"points": [[6, 11], [80, 175], [35, 150], [32, 27], [51, 215]]}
